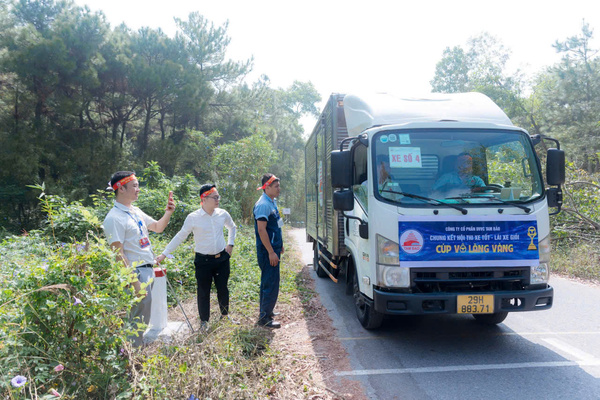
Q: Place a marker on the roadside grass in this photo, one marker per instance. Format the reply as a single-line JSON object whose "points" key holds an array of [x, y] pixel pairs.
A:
{"points": [[579, 260], [230, 361]]}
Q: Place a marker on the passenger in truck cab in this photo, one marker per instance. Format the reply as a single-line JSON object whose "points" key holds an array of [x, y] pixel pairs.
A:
{"points": [[385, 182], [461, 178]]}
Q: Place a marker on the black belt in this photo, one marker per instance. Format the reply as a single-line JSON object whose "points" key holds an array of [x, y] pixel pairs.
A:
{"points": [[212, 255], [145, 266]]}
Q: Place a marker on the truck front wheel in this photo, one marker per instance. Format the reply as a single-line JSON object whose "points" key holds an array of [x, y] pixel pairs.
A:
{"points": [[490, 319], [368, 317]]}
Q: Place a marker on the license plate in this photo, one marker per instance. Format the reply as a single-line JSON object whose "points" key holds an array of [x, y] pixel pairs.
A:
{"points": [[475, 304]]}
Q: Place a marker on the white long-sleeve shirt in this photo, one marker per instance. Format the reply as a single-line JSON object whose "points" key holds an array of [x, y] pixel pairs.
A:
{"points": [[208, 232]]}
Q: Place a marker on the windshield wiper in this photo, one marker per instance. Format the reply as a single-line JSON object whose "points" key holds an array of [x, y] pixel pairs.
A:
{"points": [[511, 203], [464, 211]]}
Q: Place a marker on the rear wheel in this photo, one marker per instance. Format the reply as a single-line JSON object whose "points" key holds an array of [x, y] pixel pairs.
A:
{"points": [[368, 317], [317, 268], [491, 319]]}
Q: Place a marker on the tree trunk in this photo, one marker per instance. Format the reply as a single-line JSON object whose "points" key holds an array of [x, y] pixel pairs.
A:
{"points": [[115, 129], [123, 133], [161, 122], [143, 142], [17, 112]]}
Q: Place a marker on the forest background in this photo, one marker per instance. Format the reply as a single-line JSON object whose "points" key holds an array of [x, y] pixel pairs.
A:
{"points": [[80, 99]]}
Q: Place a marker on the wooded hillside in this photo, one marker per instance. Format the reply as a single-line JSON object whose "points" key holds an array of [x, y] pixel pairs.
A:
{"points": [[80, 99]]}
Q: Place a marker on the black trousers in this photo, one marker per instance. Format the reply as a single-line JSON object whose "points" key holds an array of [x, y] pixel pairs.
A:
{"points": [[209, 268]]}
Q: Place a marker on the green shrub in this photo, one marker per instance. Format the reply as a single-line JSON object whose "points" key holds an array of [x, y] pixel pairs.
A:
{"points": [[63, 302], [64, 305]]}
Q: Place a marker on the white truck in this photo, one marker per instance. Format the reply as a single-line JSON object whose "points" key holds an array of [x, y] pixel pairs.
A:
{"points": [[440, 206]]}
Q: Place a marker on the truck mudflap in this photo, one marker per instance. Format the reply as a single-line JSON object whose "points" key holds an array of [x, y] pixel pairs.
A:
{"points": [[446, 303]]}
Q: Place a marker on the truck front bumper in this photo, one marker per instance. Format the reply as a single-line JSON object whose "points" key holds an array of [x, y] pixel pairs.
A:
{"points": [[445, 303]]}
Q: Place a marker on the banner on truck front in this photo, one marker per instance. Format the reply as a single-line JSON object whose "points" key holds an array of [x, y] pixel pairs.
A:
{"points": [[503, 240]]}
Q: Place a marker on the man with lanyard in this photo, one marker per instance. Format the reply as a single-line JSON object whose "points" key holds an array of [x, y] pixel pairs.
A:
{"points": [[269, 247], [126, 228], [212, 253]]}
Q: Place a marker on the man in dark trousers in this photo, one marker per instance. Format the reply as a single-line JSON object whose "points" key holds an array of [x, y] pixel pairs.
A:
{"points": [[126, 228], [269, 247], [212, 252]]}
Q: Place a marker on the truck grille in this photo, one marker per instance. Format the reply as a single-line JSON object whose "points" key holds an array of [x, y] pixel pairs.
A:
{"points": [[431, 280]]}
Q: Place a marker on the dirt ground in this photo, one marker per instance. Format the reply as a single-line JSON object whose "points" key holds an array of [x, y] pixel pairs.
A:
{"points": [[307, 333], [307, 347]]}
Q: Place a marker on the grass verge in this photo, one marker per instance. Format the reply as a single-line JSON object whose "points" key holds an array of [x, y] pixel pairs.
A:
{"points": [[238, 361], [580, 260]]}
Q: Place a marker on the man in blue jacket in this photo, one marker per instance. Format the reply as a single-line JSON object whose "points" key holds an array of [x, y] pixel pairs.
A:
{"points": [[269, 247]]}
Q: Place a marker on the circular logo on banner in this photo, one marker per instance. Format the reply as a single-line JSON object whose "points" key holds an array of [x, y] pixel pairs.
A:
{"points": [[411, 241], [383, 139], [392, 137]]}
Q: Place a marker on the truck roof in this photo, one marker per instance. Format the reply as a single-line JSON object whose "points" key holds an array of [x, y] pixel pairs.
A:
{"points": [[368, 110]]}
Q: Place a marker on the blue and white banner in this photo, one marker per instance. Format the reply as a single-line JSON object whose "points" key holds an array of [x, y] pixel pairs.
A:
{"points": [[502, 240]]}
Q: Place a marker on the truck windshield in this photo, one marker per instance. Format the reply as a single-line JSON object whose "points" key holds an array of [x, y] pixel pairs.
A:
{"points": [[455, 166]]}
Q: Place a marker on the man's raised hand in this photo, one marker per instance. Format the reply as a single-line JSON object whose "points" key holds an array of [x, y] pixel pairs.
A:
{"points": [[170, 203]]}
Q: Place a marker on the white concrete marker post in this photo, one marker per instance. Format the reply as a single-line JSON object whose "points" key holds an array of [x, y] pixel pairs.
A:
{"points": [[158, 312], [159, 327]]}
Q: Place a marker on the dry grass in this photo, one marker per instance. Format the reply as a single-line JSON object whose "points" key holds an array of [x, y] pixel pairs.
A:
{"points": [[579, 260], [249, 362]]}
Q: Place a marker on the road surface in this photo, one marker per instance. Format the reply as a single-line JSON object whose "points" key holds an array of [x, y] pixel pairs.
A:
{"points": [[552, 354]]}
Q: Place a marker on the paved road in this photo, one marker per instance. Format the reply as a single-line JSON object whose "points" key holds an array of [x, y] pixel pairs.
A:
{"points": [[553, 354]]}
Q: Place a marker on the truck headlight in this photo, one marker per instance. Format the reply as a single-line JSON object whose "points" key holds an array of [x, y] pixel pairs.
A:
{"points": [[541, 273], [389, 271], [393, 277]]}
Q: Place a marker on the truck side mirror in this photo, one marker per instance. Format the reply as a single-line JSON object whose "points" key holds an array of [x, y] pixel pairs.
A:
{"points": [[341, 169], [343, 200], [555, 167]]}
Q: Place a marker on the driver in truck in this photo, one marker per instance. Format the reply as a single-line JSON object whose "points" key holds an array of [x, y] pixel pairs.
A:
{"points": [[461, 178]]}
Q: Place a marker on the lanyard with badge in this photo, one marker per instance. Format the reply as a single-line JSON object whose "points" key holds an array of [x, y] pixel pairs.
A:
{"points": [[144, 241], [279, 219]]}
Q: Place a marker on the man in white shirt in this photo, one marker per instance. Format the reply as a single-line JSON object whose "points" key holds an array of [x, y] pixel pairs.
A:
{"points": [[126, 228], [212, 252]]}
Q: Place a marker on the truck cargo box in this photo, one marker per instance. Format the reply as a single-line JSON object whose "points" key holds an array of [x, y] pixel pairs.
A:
{"points": [[323, 224]]}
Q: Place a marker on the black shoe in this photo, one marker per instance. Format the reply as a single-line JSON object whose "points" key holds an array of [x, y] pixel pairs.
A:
{"points": [[270, 324], [204, 326], [274, 314]]}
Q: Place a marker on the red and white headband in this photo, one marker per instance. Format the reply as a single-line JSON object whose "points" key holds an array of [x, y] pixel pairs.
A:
{"points": [[268, 183], [212, 190], [123, 182]]}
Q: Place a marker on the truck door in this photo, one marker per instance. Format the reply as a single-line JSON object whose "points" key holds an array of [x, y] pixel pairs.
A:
{"points": [[362, 192]]}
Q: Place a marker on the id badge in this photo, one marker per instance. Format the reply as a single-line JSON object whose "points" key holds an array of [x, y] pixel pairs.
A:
{"points": [[144, 242], [280, 222]]}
